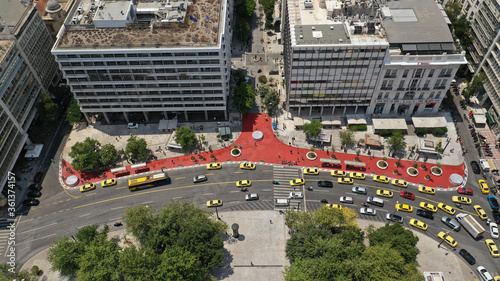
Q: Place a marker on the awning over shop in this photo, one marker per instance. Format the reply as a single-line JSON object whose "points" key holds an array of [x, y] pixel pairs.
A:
{"points": [[490, 120], [479, 119], [355, 119], [355, 163], [373, 140], [389, 124], [33, 150], [332, 161], [299, 122], [330, 121], [429, 122], [167, 125], [225, 132]]}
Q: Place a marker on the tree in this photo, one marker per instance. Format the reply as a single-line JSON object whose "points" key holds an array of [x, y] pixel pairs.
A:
{"points": [[186, 137], [243, 97], [453, 10], [49, 109], [179, 264], [397, 141], [313, 129], [109, 155], [86, 155], [73, 113], [242, 29], [239, 76], [245, 8], [474, 87], [137, 148], [271, 101], [264, 90], [64, 256], [139, 221], [9, 274], [346, 137], [399, 238]]}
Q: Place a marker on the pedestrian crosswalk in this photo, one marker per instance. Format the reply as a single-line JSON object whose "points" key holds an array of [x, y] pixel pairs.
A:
{"points": [[284, 174], [5, 232]]}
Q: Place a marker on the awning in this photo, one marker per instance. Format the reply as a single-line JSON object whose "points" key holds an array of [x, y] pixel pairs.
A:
{"points": [[34, 150], [429, 122], [332, 161], [355, 119], [479, 119], [490, 120], [390, 124], [331, 121], [355, 163]]}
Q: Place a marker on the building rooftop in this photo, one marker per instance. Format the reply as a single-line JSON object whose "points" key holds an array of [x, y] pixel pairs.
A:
{"points": [[5, 45], [415, 21], [141, 23]]}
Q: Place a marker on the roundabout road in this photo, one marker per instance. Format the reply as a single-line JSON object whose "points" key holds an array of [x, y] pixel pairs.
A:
{"points": [[64, 213]]}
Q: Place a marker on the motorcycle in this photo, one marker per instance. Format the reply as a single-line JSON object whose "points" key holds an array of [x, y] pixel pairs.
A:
{"points": [[244, 189], [276, 182], [309, 188], [364, 204], [118, 224], [324, 201]]}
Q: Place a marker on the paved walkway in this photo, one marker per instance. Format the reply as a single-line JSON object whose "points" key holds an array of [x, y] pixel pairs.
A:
{"points": [[269, 150], [263, 245]]}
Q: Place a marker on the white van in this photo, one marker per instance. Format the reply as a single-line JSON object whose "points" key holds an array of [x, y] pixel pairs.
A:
{"points": [[485, 166], [375, 201], [281, 202], [133, 125]]}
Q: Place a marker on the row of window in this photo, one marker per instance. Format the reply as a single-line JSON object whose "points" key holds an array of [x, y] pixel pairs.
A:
{"points": [[181, 77], [418, 73], [126, 63], [142, 70], [100, 106], [158, 93], [145, 99], [138, 55], [337, 51], [151, 86], [408, 96]]}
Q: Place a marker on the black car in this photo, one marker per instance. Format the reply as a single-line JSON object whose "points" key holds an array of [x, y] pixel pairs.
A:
{"points": [[475, 167], [31, 202], [468, 257], [34, 194], [426, 214], [496, 216], [325, 184], [38, 177], [35, 186]]}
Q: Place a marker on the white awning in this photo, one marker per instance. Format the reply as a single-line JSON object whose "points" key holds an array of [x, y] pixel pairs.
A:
{"points": [[390, 124], [34, 150], [429, 122], [331, 121], [355, 119], [479, 119]]}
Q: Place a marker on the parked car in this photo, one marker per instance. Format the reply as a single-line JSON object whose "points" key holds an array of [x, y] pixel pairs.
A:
{"points": [[475, 167], [467, 256], [35, 186], [496, 216], [214, 166], [359, 176], [38, 177], [132, 126], [31, 202], [87, 187], [338, 173], [382, 179], [345, 199], [359, 190], [400, 183], [394, 218], [493, 203], [34, 194], [247, 166], [325, 184], [110, 182], [485, 275], [451, 223]]}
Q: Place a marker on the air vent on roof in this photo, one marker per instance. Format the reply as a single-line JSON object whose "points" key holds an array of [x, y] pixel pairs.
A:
{"points": [[331, 27], [313, 28], [298, 18], [301, 36], [340, 40], [358, 29]]}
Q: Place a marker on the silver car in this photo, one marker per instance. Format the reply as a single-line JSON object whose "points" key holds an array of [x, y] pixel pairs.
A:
{"points": [[359, 190], [394, 218], [345, 199], [368, 211], [200, 178], [451, 223], [251, 197]]}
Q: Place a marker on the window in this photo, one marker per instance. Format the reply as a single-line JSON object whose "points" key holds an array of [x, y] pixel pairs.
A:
{"points": [[421, 96], [405, 73], [379, 96], [431, 73], [418, 73], [396, 97], [431, 95]]}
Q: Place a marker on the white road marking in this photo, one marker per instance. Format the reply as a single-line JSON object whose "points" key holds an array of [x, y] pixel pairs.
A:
{"points": [[33, 229], [233, 191], [53, 234], [234, 202], [179, 197], [116, 208], [84, 215], [147, 202], [115, 219], [205, 194]]}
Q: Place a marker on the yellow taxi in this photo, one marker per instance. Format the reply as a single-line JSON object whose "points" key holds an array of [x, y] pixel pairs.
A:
{"points": [[480, 212], [426, 189], [492, 247], [384, 193], [449, 209], [359, 176], [484, 187], [418, 224], [448, 239], [109, 182], [404, 208], [247, 166], [400, 183], [337, 173], [461, 200], [243, 183], [214, 166], [382, 179], [428, 207], [297, 182], [345, 181], [333, 206], [311, 171], [214, 203], [87, 187]]}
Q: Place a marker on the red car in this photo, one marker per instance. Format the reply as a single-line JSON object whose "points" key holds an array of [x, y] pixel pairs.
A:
{"points": [[465, 191], [407, 194]]}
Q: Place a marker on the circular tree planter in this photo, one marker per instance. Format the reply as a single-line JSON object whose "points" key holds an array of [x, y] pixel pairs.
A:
{"points": [[311, 155], [436, 171], [68, 170], [235, 152], [193, 158], [212, 156], [427, 177], [201, 158], [396, 172], [333, 156], [382, 164], [413, 172]]}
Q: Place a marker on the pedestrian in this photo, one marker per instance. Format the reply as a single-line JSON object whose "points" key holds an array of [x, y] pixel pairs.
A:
{"points": [[251, 263], [240, 146], [255, 143], [291, 151], [271, 221], [279, 156]]}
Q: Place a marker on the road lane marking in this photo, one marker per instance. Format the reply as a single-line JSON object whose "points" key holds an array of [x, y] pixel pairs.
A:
{"points": [[34, 229], [68, 200], [84, 215], [53, 234], [91, 194], [121, 187], [180, 178], [115, 219], [234, 202], [178, 197], [238, 172], [147, 202], [116, 208], [233, 191], [205, 194]]}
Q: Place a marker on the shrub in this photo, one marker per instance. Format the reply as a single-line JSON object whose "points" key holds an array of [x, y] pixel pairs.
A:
{"points": [[192, 158], [382, 164], [398, 163], [212, 156], [201, 157], [413, 171], [439, 131], [312, 149], [263, 79], [439, 165], [385, 133], [356, 159], [235, 145], [333, 156], [415, 165], [427, 177], [384, 158], [420, 131], [361, 127], [423, 166], [396, 172]]}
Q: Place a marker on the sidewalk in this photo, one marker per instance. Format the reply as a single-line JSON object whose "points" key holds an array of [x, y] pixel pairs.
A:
{"points": [[269, 150]]}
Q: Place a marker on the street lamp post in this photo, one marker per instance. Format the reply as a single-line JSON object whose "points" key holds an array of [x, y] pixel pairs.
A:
{"points": [[442, 240], [217, 213]]}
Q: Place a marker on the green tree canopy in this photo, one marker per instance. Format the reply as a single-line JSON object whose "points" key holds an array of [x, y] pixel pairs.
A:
{"points": [[243, 97], [242, 29], [346, 137], [109, 155], [186, 137], [49, 109], [7, 274], [139, 221], [476, 85], [137, 148], [313, 129], [397, 141], [399, 238], [264, 89], [73, 113], [271, 101], [245, 8], [86, 155]]}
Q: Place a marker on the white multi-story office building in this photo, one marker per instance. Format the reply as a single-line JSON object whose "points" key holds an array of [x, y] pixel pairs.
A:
{"points": [[143, 59], [26, 69], [368, 57]]}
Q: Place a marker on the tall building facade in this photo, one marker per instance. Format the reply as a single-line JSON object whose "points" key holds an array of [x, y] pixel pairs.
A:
{"points": [[484, 52], [346, 57], [26, 69], [143, 59]]}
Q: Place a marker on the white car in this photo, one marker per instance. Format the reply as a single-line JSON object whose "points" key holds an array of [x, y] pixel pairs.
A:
{"points": [[494, 230], [394, 218], [484, 273], [368, 211], [251, 197], [345, 199], [132, 125], [296, 195]]}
